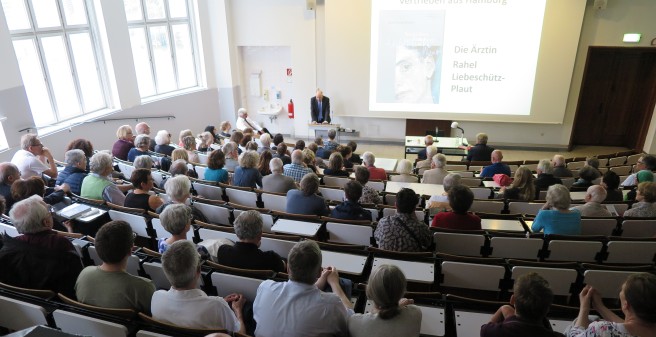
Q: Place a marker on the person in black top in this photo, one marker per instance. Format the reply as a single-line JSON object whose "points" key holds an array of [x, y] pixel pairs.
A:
{"points": [[142, 181], [480, 151], [545, 177], [611, 182], [9, 173], [355, 158], [245, 254], [351, 209]]}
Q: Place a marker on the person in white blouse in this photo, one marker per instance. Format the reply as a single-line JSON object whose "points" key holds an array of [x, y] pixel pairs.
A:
{"points": [[243, 122]]}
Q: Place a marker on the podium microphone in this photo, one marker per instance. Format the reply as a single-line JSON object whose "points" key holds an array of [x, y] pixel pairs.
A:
{"points": [[455, 125]]}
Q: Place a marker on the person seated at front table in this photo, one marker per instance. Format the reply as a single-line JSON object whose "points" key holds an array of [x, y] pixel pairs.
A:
{"points": [[375, 173], [480, 151], [460, 200], [555, 217], [306, 200], [350, 209], [496, 167], [336, 166]]}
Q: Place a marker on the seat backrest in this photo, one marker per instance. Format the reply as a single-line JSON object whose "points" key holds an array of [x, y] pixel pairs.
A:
{"points": [[456, 167], [633, 159], [459, 244], [574, 251], [332, 181], [161, 231], [481, 192], [567, 181], [209, 234], [639, 228], [631, 252], [18, 315], [471, 182], [85, 325], [621, 170], [515, 247], [9, 229], [575, 165], [275, 202], [156, 273], [281, 247], [208, 191], [598, 226], [487, 206], [227, 284], [617, 161], [376, 185], [215, 214], [520, 207], [126, 169], [607, 282], [332, 194], [460, 275], [246, 198], [422, 272], [349, 233], [561, 280], [137, 222]]}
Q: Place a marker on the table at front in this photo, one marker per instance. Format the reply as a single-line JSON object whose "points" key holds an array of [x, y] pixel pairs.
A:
{"points": [[321, 130], [294, 227], [448, 145], [421, 189], [502, 225]]}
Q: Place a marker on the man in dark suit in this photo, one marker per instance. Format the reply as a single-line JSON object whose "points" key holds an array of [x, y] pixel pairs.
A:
{"points": [[480, 151], [428, 141], [320, 108]]}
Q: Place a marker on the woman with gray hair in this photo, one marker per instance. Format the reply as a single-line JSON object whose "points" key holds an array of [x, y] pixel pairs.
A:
{"points": [[163, 141], [178, 189], [442, 200], [74, 172], [393, 315], [141, 145], [145, 162], [247, 174], [98, 185], [404, 170], [306, 200], [176, 219], [555, 217]]}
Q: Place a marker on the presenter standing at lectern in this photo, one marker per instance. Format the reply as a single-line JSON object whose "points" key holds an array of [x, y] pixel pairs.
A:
{"points": [[320, 108]]}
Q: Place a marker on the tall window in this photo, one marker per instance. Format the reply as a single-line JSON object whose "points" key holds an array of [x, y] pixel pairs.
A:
{"points": [[162, 38], [58, 57]]}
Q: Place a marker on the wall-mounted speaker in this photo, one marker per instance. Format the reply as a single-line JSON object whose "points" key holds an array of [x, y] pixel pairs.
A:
{"points": [[310, 4]]}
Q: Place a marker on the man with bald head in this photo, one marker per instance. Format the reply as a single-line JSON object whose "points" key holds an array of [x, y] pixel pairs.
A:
{"points": [[8, 174], [320, 108], [297, 168], [496, 167], [593, 198], [559, 169]]}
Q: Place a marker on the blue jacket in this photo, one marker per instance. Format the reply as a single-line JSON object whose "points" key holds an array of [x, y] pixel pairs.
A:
{"points": [[350, 211], [72, 176]]}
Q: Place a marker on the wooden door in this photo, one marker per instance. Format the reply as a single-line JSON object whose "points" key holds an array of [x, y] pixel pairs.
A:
{"points": [[617, 97]]}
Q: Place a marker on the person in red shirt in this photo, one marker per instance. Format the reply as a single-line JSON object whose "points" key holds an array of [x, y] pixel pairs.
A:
{"points": [[460, 200], [375, 173]]}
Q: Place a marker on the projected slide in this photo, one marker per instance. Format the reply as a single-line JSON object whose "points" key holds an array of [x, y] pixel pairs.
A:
{"points": [[454, 56]]}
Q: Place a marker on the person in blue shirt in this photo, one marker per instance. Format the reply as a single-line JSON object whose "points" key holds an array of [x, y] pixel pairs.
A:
{"points": [[555, 217], [496, 167]]}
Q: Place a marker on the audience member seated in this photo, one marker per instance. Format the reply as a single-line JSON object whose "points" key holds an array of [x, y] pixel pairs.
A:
{"points": [[480, 151], [403, 232], [206, 141], [277, 140], [276, 182], [355, 158], [145, 162], [178, 189], [346, 153], [265, 140], [142, 128], [641, 177], [98, 185], [231, 156], [297, 169], [375, 173], [594, 163], [304, 309], [180, 163], [141, 147], [427, 164], [559, 168], [306, 200], [428, 141], [236, 138], [545, 176], [187, 306], [555, 217], [124, 143], [521, 188], [336, 166], [281, 152], [350, 209], [215, 171], [225, 129], [392, 315], [321, 149], [369, 194], [460, 200], [263, 165], [189, 145], [176, 219], [611, 182], [84, 145], [308, 160], [244, 143], [109, 285], [74, 172], [163, 141], [39, 258], [9, 174], [247, 174], [646, 162], [593, 207], [587, 175], [318, 161], [23, 189], [331, 145], [140, 197], [638, 308], [246, 253], [442, 201], [497, 166], [437, 172], [645, 197], [33, 159], [404, 170], [184, 133], [527, 313], [300, 145]]}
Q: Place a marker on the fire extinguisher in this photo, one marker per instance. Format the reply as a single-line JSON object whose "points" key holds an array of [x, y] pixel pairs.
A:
{"points": [[290, 109]]}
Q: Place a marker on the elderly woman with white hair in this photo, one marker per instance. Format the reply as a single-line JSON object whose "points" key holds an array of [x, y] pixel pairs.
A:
{"points": [[375, 173], [545, 176], [145, 162], [247, 174], [555, 217], [176, 219], [276, 182], [442, 200], [178, 189], [163, 141], [141, 145], [98, 185], [265, 139], [74, 172], [404, 170]]}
